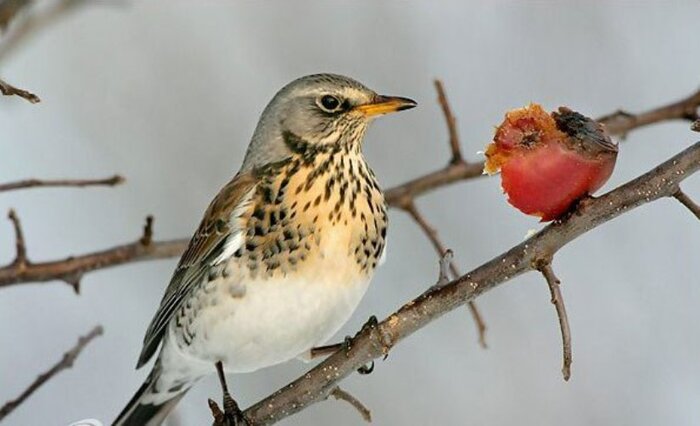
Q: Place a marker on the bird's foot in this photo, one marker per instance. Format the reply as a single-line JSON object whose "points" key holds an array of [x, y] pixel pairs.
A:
{"points": [[232, 414], [346, 345]]}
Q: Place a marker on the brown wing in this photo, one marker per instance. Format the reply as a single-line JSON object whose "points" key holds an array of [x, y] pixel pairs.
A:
{"points": [[205, 246]]}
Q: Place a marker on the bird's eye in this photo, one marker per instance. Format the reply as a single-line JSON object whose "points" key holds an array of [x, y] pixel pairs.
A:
{"points": [[329, 103]]}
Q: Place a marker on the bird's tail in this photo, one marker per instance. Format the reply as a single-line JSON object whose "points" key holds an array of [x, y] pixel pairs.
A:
{"points": [[150, 405]]}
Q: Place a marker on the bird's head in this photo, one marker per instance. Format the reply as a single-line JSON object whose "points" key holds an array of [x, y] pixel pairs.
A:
{"points": [[319, 109]]}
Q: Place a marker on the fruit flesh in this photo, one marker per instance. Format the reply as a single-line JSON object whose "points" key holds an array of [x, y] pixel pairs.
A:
{"points": [[543, 172]]}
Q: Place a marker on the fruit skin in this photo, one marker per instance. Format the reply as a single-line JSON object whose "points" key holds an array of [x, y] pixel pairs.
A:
{"points": [[549, 162]]}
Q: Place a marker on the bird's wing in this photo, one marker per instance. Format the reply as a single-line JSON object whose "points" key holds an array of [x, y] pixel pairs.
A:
{"points": [[218, 236]]}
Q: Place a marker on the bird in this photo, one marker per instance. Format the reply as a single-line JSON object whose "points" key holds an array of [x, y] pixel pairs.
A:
{"points": [[285, 251]]}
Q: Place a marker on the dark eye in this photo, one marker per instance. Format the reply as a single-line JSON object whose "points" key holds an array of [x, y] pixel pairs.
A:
{"points": [[329, 103]]}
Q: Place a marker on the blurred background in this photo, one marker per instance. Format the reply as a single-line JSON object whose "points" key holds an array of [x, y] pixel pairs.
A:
{"points": [[168, 93]]}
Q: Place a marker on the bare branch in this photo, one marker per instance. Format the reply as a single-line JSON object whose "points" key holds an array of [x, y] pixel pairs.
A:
{"points": [[688, 202], [621, 122], [9, 90], [440, 248], [342, 395], [71, 269], [545, 267], [65, 363], [34, 183], [376, 341], [451, 122]]}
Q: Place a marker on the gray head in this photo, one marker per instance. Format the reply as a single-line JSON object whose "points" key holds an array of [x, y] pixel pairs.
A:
{"points": [[319, 109]]}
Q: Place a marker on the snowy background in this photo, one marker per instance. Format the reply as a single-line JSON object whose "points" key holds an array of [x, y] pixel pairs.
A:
{"points": [[168, 94]]}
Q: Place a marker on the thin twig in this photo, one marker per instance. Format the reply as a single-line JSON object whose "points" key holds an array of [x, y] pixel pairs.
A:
{"points": [[65, 363], [34, 183], [451, 122], [440, 248], [374, 342], [21, 247], [688, 202], [343, 395], [545, 267], [9, 90]]}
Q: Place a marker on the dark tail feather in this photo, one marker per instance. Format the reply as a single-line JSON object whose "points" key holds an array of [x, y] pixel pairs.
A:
{"points": [[140, 413]]}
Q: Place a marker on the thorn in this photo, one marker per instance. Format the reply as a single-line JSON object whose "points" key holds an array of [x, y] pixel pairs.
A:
{"points": [[147, 236], [21, 249]]}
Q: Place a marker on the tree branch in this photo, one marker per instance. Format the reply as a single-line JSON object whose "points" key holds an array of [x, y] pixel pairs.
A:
{"points": [[342, 395], [687, 202], [72, 269], [35, 183], [9, 90], [545, 267], [65, 363], [376, 341], [440, 248], [451, 121]]}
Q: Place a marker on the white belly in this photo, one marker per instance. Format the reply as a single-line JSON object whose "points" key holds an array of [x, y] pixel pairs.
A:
{"points": [[249, 324], [277, 320]]}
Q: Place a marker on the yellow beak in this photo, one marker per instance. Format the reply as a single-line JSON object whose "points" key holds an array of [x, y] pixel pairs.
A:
{"points": [[385, 105]]}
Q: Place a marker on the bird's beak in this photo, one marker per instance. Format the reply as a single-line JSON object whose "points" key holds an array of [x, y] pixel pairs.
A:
{"points": [[381, 105]]}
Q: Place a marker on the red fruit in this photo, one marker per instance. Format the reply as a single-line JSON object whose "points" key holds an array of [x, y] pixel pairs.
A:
{"points": [[549, 162]]}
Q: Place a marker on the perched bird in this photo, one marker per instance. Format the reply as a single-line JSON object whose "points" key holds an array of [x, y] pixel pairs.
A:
{"points": [[284, 252], [548, 162]]}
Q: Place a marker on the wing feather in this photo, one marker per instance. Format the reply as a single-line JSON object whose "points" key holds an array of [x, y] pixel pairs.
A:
{"points": [[204, 250]]}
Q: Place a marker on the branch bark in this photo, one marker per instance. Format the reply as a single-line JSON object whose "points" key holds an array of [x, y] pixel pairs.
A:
{"points": [[376, 341], [9, 90], [35, 183], [72, 269], [66, 362]]}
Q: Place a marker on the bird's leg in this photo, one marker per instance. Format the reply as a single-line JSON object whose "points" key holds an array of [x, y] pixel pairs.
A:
{"points": [[346, 345], [232, 415]]}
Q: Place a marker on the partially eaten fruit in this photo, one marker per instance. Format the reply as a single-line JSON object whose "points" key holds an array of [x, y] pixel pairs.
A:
{"points": [[549, 162]]}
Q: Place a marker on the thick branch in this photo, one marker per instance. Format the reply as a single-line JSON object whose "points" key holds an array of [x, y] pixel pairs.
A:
{"points": [[9, 90], [34, 183], [65, 363], [545, 267], [374, 342]]}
